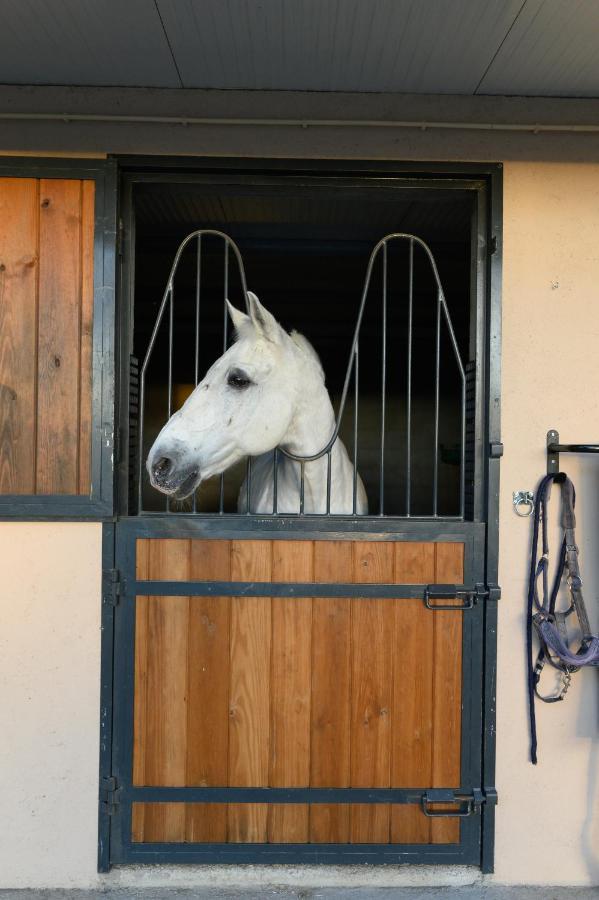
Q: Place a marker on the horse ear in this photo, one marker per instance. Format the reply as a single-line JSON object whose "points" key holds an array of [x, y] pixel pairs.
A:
{"points": [[264, 321], [238, 317]]}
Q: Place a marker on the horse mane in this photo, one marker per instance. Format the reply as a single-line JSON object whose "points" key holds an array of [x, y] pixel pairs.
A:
{"points": [[304, 345]]}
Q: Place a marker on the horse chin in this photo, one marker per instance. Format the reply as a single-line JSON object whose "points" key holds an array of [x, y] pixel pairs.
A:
{"points": [[187, 488]]}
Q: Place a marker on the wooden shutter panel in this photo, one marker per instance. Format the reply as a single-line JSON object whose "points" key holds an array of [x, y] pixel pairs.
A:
{"points": [[46, 331]]}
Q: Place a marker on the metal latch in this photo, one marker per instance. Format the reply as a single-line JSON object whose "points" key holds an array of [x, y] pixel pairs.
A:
{"points": [[433, 593], [111, 586], [468, 804], [109, 795]]}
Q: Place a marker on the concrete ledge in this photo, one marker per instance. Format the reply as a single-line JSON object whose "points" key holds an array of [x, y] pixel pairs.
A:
{"points": [[472, 892]]}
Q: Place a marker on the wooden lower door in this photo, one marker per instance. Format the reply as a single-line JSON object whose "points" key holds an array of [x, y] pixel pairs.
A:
{"points": [[306, 694]]}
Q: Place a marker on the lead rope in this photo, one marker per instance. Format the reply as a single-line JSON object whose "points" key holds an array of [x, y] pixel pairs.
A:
{"points": [[549, 624]]}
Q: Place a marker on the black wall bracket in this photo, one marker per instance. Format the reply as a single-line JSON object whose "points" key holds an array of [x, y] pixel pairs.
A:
{"points": [[554, 448]]}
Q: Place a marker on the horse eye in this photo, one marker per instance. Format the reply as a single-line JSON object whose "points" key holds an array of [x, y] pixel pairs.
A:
{"points": [[238, 380]]}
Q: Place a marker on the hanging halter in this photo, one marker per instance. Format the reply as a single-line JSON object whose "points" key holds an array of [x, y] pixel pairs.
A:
{"points": [[550, 624]]}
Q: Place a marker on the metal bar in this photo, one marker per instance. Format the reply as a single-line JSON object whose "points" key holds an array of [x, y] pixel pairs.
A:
{"points": [[328, 509], [316, 522], [491, 358], [302, 486], [383, 387], [409, 383], [573, 448], [338, 854], [554, 448], [197, 331], [437, 375], [275, 462], [171, 324], [198, 296], [356, 400], [248, 484], [221, 498], [282, 589], [279, 795], [463, 452]]}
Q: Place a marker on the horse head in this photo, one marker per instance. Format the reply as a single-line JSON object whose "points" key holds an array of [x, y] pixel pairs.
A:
{"points": [[242, 407]]}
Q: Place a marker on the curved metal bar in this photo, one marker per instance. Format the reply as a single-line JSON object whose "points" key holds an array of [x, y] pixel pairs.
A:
{"points": [[168, 295], [352, 354]]}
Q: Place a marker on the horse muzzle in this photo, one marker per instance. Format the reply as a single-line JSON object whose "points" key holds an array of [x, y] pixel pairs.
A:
{"points": [[168, 478]]}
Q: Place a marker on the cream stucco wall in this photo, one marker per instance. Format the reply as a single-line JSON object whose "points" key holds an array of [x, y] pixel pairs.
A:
{"points": [[50, 603]]}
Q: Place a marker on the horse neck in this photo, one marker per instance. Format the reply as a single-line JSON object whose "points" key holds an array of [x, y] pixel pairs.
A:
{"points": [[313, 421], [311, 430]]}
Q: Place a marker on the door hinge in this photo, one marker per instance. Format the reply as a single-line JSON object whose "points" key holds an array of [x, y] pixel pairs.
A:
{"points": [[109, 795], [433, 593], [112, 586], [496, 450], [467, 804]]}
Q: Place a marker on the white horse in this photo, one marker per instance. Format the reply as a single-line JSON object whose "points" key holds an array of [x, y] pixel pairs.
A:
{"points": [[266, 391]]}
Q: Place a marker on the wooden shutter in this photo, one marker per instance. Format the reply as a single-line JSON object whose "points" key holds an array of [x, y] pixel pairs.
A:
{"points": [[47, 300]]}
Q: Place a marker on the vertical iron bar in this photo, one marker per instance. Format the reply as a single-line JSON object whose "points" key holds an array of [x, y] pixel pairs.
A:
{"points": [[140, 438], [302, 486], [221, 503], [437, 373], [463, 453], [198, 291], [248, 483], [226, 297], [275, 481], [409, 386], [329, 482], [356, 391], [170, 364], [197, 334], [383, 388]]}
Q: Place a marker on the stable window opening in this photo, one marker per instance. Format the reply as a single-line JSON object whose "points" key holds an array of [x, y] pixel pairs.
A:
{"points": [[408, 420]]}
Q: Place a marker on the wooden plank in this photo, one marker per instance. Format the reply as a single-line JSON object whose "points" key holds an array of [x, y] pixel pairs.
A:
{"points": [[290, 690], [249, 691], [208, 691], [166, 711], [371, 679], [140, 701], [447, 689], [411, 753], [330, 707], [59, 323], [86, 335], [19, 222]]}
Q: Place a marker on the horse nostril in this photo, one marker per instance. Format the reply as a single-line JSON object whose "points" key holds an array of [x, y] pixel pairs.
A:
{"points": [[162, 468]]}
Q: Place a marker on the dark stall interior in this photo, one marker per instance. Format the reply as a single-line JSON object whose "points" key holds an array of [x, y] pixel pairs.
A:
{"points": [[305, 249]]}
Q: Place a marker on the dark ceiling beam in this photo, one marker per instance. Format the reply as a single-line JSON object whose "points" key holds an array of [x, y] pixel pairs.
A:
{"points": [[287, 124]]}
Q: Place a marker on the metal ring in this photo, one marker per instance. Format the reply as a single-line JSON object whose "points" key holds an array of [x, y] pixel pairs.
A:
{"points": [[523, 503]]}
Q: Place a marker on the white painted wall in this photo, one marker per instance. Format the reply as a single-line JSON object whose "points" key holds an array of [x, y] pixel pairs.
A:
{"points": [[50, 605]]}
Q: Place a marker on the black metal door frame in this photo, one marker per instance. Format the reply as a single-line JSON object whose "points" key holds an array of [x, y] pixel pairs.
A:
{"points": [[479, 632]]}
